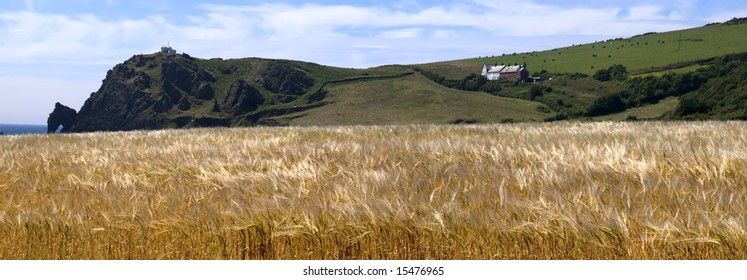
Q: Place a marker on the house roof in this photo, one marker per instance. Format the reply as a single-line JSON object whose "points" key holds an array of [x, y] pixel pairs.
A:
{"points": [[505, 69]]}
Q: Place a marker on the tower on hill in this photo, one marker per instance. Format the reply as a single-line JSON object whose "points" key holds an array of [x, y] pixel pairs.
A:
{"points": [[168, 49]]}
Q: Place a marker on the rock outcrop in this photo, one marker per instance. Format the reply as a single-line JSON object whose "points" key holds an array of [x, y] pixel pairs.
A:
{"points": [[130, 98], [61, 116], [118, 103], [285, 81], [172, 91], [241, 98]]}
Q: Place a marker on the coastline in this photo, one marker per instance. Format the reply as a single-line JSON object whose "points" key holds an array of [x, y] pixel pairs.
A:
{"points": [[16, 129]]}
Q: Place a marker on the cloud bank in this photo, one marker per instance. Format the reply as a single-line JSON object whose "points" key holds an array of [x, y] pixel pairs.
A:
{"points": [[330, 34]]}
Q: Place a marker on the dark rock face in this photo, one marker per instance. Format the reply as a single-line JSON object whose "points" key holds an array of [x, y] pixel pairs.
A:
{"points": [[184, 104], [61, 116], [205, 92], [126, 99], [174, 91], [241, 98], [216, 107], [183, 76], [282, 78], [118, 103], [177, 76]]}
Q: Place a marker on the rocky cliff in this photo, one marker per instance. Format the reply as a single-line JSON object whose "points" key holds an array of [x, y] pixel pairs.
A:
{"points": [[61, 116], [175, 90]]}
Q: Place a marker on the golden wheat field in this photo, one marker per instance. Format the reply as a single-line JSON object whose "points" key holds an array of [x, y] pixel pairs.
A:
{"points": [[512, 191]]}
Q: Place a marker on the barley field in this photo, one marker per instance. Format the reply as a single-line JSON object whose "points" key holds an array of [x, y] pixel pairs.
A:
{"points": [[603, 190]]}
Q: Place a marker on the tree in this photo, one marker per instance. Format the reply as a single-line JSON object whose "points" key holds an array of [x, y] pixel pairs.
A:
{"points": [[690, 105], [615, 72], [535, 91], [607, 104], [618, 72], [602, 75]]}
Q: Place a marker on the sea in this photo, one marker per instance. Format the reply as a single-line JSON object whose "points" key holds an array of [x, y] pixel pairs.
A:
{"points": [[15, 129]]}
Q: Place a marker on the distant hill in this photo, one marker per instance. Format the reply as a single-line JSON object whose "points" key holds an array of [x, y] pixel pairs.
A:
{"points": [[698, 73], [164, 90], [657, 66], [642, 53], [413, 99]]}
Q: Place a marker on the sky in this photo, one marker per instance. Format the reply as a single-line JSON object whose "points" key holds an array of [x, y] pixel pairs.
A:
{"points": [[59, 51]]}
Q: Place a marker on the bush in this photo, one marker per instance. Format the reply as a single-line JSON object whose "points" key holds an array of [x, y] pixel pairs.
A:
{"points": [[615, 72], [689, 106], [607, 104], [535, 91], [543, 109], [602, 75], [558, 117]]}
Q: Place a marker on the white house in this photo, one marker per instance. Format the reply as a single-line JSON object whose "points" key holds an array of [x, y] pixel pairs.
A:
{"points": [[516, 73]]}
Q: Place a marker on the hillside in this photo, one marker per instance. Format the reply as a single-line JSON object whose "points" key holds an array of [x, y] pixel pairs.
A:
{"points": [[172, 91], [411, 100], [642, 53], [647, 69], [162, 90], [722, 97]]}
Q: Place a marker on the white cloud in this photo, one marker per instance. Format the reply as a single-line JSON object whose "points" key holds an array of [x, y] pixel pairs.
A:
{"points": [[648, 12], [444, 33], [404, 33], [33, 37]]}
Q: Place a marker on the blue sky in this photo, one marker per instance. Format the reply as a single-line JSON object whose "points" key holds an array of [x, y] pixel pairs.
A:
{"points": [[56, 50]]}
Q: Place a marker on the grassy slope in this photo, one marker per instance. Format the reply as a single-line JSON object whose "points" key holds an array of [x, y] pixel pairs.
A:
{"points": [[409, 100], [228, 71], [725, 96], [250, 69], [651, 111], [637, 54], [679, 70], [575, 95]]}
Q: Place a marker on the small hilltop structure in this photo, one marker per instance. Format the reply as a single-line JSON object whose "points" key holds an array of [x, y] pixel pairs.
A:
{"points": [[168, 49]]}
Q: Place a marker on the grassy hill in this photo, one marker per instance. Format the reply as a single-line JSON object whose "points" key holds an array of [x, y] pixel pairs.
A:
{"points": [[722, 97], [381, 95], [642, 53], [412, 99], [178, 91], [252, 70], [651, 111], [162, 90], [655, 66]]}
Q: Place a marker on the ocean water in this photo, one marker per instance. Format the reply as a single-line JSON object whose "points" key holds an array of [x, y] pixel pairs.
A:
{"points": [[15, 129]]}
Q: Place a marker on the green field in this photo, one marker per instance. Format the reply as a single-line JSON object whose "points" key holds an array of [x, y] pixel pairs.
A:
{"points": [[678, 70], [651, 111], [639, 53], [412, 100]]}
